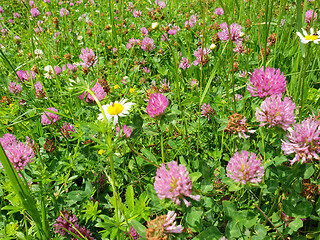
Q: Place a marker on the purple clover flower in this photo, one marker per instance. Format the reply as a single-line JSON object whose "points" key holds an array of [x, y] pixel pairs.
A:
{"points": [[243, 169], [219, 11], [147, 44], [158, 104], [276, 112], [49, 118], [18, 153], [174, 183], [267, 82], [235, 31], [303, 140], [98, 91], [88, 57], [14, 88]]}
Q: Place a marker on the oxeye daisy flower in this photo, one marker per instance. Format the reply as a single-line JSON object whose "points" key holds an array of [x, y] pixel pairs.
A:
{"points": [[174, 183], [243, 169], [312, 37], [115, 110], [303, 140]]}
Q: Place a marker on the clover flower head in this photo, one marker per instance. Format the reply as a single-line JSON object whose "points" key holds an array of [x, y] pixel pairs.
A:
{"points": [[88, 57], [19, 154], [49, 117], [266, 82], [158, 104], [147, 44], [207, 110], [276, 112], [98, 92], [235, 32], [219, 11], [174, 183], [303, 140], [14, 88], [243, 169]]}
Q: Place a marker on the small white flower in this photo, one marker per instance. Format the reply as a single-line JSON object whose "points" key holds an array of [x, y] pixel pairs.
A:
{"points": [[154, 25], [116, 110], [38, 53], [309, 38], [213, 46], [49, 72]]}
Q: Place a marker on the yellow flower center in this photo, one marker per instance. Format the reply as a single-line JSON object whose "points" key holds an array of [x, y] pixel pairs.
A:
{"points": [[115, 109], [311, 37], [173, 184]]}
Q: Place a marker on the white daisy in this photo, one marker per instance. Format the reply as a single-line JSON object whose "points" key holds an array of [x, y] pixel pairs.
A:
{"points": [[309, 38], [115, 110]]}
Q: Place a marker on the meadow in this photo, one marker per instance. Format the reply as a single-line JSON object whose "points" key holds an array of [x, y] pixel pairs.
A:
{"points": [[159, 119]]}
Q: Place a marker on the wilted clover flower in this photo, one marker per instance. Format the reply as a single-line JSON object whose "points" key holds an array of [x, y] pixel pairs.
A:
{"points": [[160, 227], [66, 129], [174, 183], [158, 104], [243, 169], [276, 112], [48, 117], [18, 153], [303, 140], [237, 124], [267, 82]]}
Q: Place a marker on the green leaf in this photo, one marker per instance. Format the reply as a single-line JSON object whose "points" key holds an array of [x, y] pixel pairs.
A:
{"points": [[296, 224], [230, 209], [309, 170], [149, 155], [260, 230], [150, 131], [139, 228], [209, 233], [193, 219], [195, 176], [130, 198], [137, 121]]}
